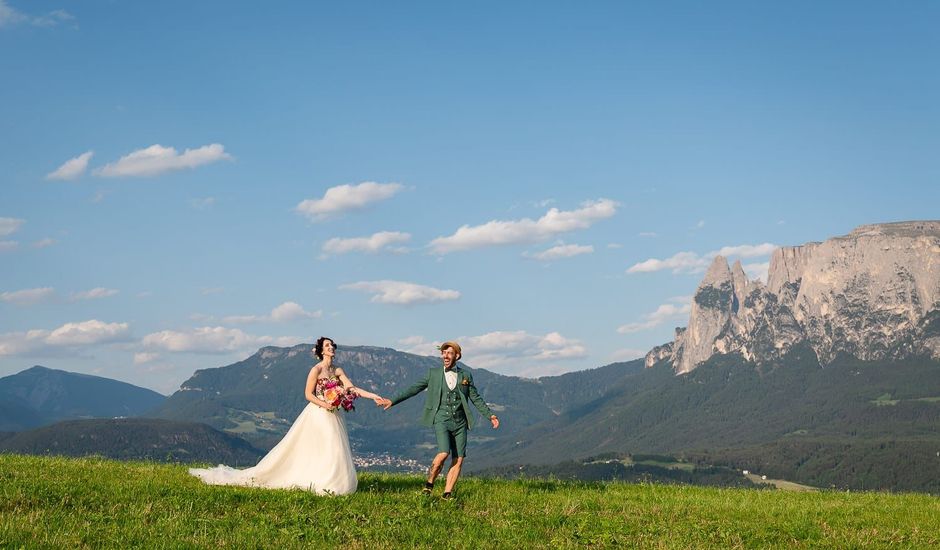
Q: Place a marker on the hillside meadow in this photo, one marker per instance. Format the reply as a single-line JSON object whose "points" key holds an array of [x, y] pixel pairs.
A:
{"points": [[93, 502]]}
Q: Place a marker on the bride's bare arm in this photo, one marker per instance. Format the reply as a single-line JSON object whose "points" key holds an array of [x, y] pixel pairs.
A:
{"points": [[311, 384], [347, 383]]}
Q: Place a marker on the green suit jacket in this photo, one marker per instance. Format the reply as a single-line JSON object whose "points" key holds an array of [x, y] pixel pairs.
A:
{"points": [[433, 381]]}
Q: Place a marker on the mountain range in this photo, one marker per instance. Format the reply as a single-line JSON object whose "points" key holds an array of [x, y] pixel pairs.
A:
{"points": [[810, 376], [873, 294], [38, 396], [258, 398], [828, 374]]}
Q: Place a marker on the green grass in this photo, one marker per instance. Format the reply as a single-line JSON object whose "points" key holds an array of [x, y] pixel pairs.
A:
{"points": [[685, 466], [780, 483], [884, 400], [90, 502], [927, 399]]}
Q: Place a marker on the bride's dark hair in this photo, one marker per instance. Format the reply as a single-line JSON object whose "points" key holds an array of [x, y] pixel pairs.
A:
{"points": [[319, 349]]}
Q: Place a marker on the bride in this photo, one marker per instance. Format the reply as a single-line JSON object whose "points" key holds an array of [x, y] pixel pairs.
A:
{"points": [[314, 454]]}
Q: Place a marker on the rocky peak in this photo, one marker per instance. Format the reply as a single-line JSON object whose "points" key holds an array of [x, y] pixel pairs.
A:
{"points": [[786, 266], [712, 307], [874, 294], [740, 283]]}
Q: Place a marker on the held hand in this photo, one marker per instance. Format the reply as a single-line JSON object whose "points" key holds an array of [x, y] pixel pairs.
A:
{"points": [[379, 400], [494, 421]]}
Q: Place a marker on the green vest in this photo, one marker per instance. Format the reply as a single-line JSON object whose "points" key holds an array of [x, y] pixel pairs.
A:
{"points": [[451, 409]]}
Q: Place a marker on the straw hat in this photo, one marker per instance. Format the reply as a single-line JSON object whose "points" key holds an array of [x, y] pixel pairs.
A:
{"points": [[454, 345]]}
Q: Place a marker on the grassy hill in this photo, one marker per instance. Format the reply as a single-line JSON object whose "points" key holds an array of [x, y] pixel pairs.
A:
{"points": [[59, 502]]}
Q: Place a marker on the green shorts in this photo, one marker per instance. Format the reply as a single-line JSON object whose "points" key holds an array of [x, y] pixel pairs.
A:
{"points": [[450, 439]]}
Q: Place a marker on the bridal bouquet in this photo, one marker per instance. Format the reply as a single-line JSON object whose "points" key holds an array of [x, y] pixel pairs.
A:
{"points": [[337, 396]]}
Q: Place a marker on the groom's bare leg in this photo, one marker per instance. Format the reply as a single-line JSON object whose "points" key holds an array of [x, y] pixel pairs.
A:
{"points": [[453, 473], [436, 466]]}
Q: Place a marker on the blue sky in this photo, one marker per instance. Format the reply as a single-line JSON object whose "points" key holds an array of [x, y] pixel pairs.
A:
{"points": [[184, 182]]}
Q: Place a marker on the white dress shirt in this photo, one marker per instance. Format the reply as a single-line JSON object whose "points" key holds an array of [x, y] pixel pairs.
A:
{"points": [[450, 376]]}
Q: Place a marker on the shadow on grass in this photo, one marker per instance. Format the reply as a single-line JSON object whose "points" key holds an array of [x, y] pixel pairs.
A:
{"points": [[413, 484]]}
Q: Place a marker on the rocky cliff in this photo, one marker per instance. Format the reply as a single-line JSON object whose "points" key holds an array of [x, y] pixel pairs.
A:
{"points": [[873, 294]]}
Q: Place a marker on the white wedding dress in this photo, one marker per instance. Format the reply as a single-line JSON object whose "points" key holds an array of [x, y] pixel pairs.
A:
{"points": [[314, 455]]}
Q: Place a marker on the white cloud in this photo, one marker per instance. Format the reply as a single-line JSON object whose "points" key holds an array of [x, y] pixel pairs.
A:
{"points": [[88, 332], [52, 18], [745, 250], [94, 294], [44, 243], [21, 343], [145, 357], [561, 251], [554, 346], [28, 296], [662, 314], [690, 262], [647, 234], [286, 312], [6, 246], [10, 16], [157, 159], [681, 262], [347, 197], [419, 346], [8, 226], [515, 341], [526, 230], [614, 245], [290, 311], [211, 340], [757, 271], [505, 346], [72, 168], [411, 341], [69, 335], [371, 244], [510, 352], [401, 293]]}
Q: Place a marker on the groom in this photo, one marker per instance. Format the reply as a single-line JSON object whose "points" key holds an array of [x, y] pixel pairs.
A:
{"points": [[446, 410]]}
